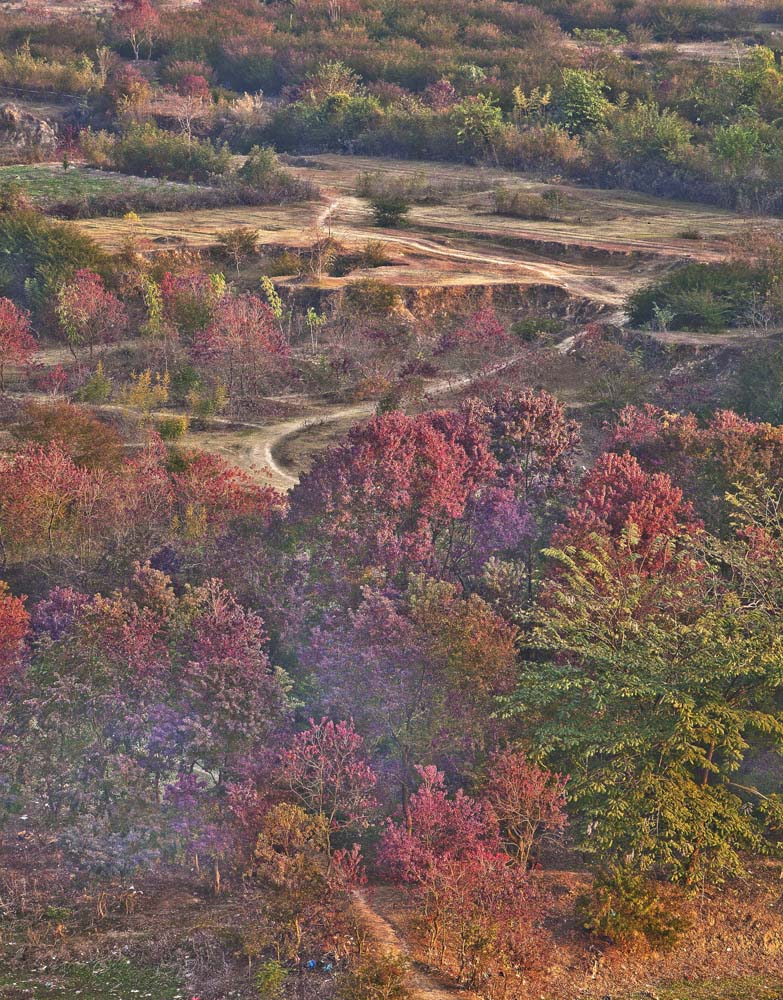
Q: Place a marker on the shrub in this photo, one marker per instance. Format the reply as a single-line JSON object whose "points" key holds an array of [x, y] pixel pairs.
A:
{"points": [[389, 210], [148, 151], [172, 428], [626, 909], [261, 164], [534, 326], [701, 296], [373, 254], [543, 147], [370, 295], [89, 442], [38, 254], [237, 244], [270, 980], [377, 977], [97, 388], [521, 204], [284, 263]]}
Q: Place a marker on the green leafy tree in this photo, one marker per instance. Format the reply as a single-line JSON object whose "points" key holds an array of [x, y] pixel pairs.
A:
{"points": [[736, 146], [581, 104], [649, 689], [647, 131], [479, 122]]}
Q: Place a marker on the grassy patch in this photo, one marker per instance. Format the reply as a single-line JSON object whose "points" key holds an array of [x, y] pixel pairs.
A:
{"points": [[746, 988], [46, 185], [116, 980]]}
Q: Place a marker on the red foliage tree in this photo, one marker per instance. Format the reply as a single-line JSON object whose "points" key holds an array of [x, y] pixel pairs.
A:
{"points": [[17, 344], [325, 770], [478, 909], [529, 801], [89, 314], [136, 20], [482, 330], [194, 86], [437, 827], [646, 514], [209, 494], [390, 494], [14, 627], [243, 343]]}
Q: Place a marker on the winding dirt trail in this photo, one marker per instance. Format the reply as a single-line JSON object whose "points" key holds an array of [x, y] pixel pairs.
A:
{"points": [[256, 448], [376, 915]]}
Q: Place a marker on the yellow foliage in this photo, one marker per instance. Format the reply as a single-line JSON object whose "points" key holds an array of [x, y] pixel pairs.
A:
{"points": [[146, 391]]}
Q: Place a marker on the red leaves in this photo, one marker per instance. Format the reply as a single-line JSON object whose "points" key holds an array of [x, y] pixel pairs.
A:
{"points": [[52, 508], [529, 801], [619, 501], [17, 344], [210, 493], [474, 901], [14, 627], [89, 313], [532, 440], [483, 330], [244, 341], [708, 459], [326, 771], [394, 485], [438, 828]]}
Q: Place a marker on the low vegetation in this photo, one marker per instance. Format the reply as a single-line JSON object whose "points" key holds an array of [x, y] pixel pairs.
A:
{"points": [[489, 698]]}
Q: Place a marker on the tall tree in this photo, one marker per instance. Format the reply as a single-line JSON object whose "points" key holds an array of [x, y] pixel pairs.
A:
{"points": [[17, 343]]}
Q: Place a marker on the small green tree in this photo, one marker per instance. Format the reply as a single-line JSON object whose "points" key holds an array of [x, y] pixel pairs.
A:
{"points": [[479, 121], [581, 105], [238, 244], [389, 210]]}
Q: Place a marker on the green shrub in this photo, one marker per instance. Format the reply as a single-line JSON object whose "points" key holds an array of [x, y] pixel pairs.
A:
{"points": [[377, 977], [38, 254], [184, 379], [522, 204], [270, 980], [373, 254], [172, 428], [700, 296], [261, 164], [97, 388], [330, 123], [534, 326], [284, 263], [370, 295], [626, 909], [389, 210], [148, 151]]}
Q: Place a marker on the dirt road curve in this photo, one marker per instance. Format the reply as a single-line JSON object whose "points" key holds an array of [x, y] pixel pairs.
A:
{"points": [[255, 447]]}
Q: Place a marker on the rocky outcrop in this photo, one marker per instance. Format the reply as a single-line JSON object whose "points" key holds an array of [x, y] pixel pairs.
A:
{"points": [[24, 131]]}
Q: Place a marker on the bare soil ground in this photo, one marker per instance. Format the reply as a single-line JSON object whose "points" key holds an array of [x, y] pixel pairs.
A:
{"points": [[731, 950], [601, 250]]}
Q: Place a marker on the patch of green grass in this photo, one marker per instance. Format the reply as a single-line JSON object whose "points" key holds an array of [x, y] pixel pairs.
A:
{"points": [[115, 980], [746, 988], [46, 184]]}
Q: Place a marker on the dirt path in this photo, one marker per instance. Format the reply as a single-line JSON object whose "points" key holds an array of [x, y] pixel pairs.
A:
{"points": [[255, 447], [376, 914], [602, 250]]}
